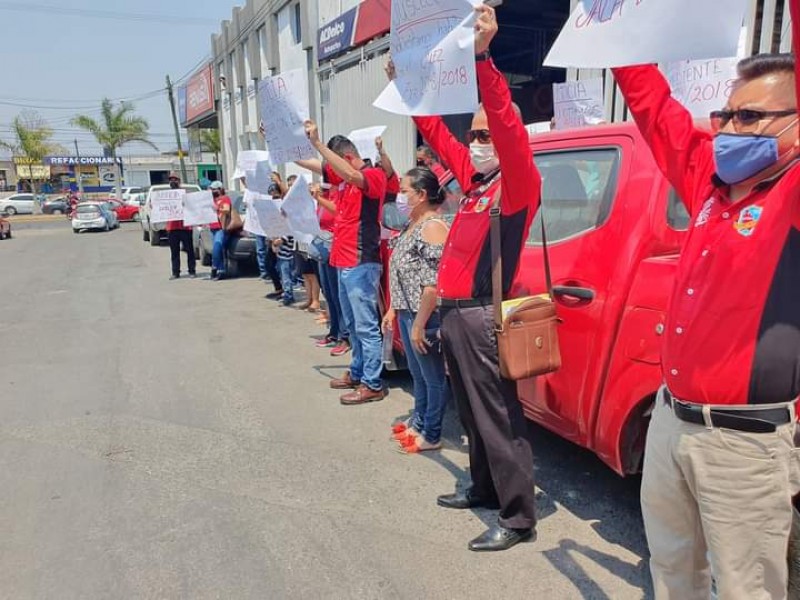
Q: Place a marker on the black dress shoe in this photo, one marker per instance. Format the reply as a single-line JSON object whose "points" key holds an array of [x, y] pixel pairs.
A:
{"points": [[463, 500], [498, 538]]}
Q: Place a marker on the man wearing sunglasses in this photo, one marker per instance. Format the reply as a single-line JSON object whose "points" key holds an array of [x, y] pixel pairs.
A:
{"points": [[720, 466], [497, 165]]}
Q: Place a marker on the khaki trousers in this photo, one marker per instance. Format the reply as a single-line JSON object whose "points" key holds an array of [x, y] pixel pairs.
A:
{"points": [[717, 495]]}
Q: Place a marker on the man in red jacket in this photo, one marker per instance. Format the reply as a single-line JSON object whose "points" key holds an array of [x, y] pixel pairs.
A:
{"points": [[498, 163], [179, 235], [720, 465]]}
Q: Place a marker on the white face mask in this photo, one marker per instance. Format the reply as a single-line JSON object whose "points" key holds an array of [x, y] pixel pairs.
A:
{"points": [[402, 204], [484, 158]]}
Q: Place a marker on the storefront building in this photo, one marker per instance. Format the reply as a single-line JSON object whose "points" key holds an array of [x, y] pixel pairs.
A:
{"points": [[343, 45]]}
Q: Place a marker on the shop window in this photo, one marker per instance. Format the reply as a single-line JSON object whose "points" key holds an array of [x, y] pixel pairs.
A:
{"points": [[578, 190]]}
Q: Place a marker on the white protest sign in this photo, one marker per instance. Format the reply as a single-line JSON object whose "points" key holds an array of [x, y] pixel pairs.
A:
{"points": [[616, 33], [198, 209], [166, 205], [433, 50], [284, 104], [261, 179], [263, 216], [247, 160], [301, 211], [364, 140], [704, 85], [578, 103]]}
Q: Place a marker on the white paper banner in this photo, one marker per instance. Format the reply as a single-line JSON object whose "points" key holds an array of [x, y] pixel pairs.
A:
{"points": [[616, 33], [301, 211], [284, 106], [198, 209], [705, 85], [166, 205], [433, 50], [263, 216], [261, 178], [364, 140], [578, 103], [246, 162]]}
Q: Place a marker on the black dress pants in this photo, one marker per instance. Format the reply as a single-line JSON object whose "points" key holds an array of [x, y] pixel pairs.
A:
{"points": [[178, 238], [500, 455]]}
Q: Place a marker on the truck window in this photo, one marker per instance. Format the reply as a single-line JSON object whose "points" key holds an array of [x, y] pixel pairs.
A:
{"points": [[578, 190], [677, 215]]}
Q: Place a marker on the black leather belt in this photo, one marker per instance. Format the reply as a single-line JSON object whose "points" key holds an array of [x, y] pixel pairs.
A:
{"points": [[765, 420], [466, 303]]}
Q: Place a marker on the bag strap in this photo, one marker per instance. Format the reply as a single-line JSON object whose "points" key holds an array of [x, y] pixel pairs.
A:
{"points": [[497, 261]]}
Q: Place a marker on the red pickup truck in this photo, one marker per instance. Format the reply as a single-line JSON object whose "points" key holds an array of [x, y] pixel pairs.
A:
{"points": [[615, 229]]}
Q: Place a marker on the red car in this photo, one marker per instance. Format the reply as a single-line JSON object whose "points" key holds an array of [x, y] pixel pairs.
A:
{"points": [[125, 212], [5, 229]]}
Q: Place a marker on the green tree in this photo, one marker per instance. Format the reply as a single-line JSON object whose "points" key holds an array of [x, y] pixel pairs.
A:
{"points": [[116, 127], [31, 140], [211, 142]]}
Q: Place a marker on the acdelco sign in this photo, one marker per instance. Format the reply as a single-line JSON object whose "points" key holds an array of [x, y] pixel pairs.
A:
{"points": [[200, 94], [337, 36]]}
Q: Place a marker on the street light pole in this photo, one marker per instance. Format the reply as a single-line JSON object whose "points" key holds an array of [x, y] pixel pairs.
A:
{"points": [[177, 129], [78, 168]]}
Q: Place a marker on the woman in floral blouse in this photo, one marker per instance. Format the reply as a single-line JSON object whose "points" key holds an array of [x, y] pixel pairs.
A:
{"points": [[413, 271]]}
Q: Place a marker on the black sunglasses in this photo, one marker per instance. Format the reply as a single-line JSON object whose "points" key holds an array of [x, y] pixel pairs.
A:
{"points": [[746, 116], [481, 135]]}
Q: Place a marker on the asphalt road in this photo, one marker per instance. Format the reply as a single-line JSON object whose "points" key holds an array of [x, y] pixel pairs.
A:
{"points": [[178, 440]]}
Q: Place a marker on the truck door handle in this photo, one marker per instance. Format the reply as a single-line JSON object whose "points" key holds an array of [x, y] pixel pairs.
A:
{"points": [[581, 294]]}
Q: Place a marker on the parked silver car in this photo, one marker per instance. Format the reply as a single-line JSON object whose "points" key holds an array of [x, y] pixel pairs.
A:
{"points": [[17, 204], [93, 216]]}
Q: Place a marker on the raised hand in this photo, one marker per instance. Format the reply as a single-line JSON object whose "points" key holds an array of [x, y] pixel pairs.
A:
{"points": [[485, 28]]}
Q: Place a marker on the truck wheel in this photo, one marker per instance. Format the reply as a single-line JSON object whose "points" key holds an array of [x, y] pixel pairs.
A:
{"points": [[145, 235], [155, 238], [231, 267]]}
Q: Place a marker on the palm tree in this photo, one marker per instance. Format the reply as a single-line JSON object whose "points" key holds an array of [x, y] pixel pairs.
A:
{"points": [[210, 142], [117, 127], [31, 140]]}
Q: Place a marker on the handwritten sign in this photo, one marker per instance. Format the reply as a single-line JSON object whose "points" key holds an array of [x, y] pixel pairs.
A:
{"points": [[261, 179], [247, 160], [364, 140], [578, 103], [263, 216], [616, 33], [301, 211], [198, 209], [284, 104], [705, 85], [166, 205], [433, 50]]}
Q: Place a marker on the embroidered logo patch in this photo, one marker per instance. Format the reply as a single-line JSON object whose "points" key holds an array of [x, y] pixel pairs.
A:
{"points": [[705, 213], [748, 220], [482, 204]]}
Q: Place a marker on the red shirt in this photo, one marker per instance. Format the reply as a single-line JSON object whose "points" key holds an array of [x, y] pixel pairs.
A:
{"points": [[327, 219], [733, 327], [465, 270], [220, 203], [357, 235], [393, 184], [177, 226]]}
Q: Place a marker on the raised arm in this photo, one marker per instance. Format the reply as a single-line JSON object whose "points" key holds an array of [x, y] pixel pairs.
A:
{"points": [[683, 152], [521, 182], [312, 164], [342, 168]]}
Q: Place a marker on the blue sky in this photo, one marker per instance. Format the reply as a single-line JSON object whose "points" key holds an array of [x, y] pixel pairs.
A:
{"points": [[60, 56]]}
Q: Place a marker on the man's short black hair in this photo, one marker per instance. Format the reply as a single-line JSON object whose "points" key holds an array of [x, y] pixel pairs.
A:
{"points": [[427, 151], [765, 64], [342, 145]]}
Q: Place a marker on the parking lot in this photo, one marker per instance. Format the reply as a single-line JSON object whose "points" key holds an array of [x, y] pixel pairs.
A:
{"points": [[178, 440]]}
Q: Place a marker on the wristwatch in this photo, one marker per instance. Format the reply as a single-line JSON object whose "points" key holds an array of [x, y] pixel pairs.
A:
{"points": [[483, 56]]}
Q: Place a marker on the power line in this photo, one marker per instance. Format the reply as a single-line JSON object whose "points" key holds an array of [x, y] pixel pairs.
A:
{"points": [[51, 9]]}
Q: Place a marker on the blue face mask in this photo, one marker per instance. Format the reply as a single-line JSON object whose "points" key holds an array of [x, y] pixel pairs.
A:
{"points": [[739, 157]]}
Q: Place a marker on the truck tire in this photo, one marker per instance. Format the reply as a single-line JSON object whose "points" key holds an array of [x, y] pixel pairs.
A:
{"points": [[155, 237], [231, 267], [205, 257]]}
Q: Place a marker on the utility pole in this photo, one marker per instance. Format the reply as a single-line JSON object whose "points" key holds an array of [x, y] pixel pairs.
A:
{"points": [[78, 168], [177, 129]]}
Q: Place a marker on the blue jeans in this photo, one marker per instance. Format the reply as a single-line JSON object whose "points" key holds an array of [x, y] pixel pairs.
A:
{"points": [[329, 279], [221, 240], [431, 390], [286, 269], [261, 255], [358, 293]]}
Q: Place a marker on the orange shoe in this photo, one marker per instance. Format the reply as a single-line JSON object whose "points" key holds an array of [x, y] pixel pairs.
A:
{"points": [[416, 448], [399, 427]]}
